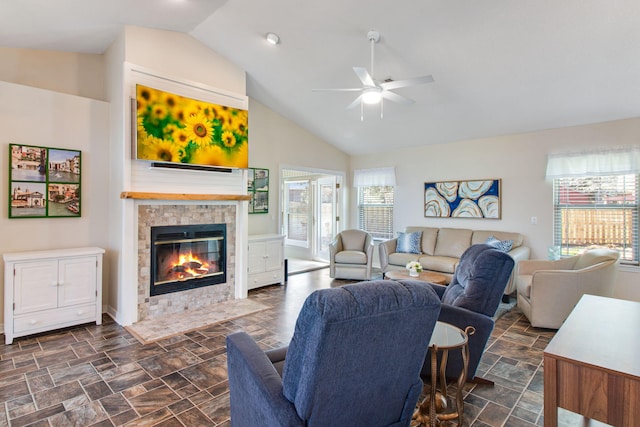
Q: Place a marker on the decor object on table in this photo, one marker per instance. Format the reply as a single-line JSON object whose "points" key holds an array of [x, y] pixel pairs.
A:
{"points": [[441, 249], [414, 268], [549, 289], [463, 199], [471, 299], [377, 331], [351, 255], [179, 130], [258, 188], [43, 182]]}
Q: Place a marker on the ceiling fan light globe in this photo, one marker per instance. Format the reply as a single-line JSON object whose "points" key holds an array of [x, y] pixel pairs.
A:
{"points": [[372, 96]]}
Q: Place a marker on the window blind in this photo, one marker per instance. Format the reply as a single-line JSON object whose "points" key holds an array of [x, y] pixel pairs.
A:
{"points": [[381, 177], [597, 210], [375, 211]]}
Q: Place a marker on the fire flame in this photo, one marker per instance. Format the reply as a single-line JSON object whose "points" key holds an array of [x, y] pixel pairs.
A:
{"points": [[187, 261]]}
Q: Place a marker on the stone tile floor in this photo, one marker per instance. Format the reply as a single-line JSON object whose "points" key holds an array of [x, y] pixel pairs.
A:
{"points": [[102, 376]]}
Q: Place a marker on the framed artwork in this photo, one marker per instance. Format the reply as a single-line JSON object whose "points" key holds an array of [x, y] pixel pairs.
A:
{"points": [[463, 199], [258, 188], [43, 182]]}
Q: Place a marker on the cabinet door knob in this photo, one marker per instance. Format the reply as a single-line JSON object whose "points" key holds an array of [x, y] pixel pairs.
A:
{"points": [[80, 312], [54, 283], [33, 321]]}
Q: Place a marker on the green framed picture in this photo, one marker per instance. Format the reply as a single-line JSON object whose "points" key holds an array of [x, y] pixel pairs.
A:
{"points": [[258, 189], [44, 182]]}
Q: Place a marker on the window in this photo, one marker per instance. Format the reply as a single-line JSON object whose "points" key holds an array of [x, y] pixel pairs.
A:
{"points": [[375, 211], [597, 210]]}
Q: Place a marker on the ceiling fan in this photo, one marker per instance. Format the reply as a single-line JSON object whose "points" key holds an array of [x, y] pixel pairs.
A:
{"points": [[373, 92]]}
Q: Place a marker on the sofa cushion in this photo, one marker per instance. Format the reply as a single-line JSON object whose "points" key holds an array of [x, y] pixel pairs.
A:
{"points": [[452, 242], [351, 257], [503, 245], [399, 258], [481, 236], [409, 243], [429, 237], [353, 240], [439, 263]]}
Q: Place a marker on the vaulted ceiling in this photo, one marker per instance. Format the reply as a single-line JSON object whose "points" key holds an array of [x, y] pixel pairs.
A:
{"points": [[500, 66]]}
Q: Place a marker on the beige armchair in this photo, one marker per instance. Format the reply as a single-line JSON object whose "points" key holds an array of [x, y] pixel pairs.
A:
{"points": [[351, 255], [548, 290]]}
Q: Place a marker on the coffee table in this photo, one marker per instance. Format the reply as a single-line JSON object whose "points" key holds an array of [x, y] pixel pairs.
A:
{"points": [[424, 276]]}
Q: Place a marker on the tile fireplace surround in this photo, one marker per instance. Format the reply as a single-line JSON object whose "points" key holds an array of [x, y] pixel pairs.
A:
{"points": [[182, 214]]}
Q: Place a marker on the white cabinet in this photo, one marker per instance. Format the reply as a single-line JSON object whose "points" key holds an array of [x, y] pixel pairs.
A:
{"points": [[45, 290], [266, 260]]}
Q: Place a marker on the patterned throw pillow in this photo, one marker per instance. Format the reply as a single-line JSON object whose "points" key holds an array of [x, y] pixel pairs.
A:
{"points": [[503, 245], [409, 242]]}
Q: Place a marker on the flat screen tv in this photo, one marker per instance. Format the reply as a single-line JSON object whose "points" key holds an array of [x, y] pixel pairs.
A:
{"points": [[176, 130]]}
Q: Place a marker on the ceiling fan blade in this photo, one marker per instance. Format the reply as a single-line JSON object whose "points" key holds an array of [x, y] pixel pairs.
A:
{"points": [[392, 96], [351, 89], [364, 76], [408, 82], [355, 103]]}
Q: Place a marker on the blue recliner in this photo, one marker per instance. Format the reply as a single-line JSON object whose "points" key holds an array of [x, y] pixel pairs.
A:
{"points": [[354, 360], [471, 299]]}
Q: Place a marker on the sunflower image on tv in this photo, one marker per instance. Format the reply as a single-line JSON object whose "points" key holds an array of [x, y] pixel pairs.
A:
{"points": [[177, 129]]}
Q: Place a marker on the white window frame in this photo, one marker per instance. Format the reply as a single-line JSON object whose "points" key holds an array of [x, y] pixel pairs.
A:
{"points": [[621, 234]]}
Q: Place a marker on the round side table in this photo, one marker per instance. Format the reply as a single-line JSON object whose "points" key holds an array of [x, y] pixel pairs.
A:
{"points": [[435, 407]]}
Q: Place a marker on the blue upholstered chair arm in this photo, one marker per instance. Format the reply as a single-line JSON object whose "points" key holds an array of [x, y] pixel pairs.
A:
{"points": [[461, 318], [439, 289], [255, 386]]}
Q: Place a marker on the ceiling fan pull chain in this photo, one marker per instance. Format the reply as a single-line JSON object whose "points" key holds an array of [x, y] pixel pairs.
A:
{"points": [[381, 107], [372, 43], [361, 110]]}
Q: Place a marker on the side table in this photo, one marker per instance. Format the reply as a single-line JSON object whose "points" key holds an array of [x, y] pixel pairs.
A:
{"points": [[435, 406]]}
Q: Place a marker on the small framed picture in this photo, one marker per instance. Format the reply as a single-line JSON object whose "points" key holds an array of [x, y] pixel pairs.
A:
{"points": [[44, 182], [258, 189], [260, 202]]}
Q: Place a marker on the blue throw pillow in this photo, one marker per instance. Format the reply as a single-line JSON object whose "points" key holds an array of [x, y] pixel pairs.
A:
{"points": [[503, 245], [409, 242]]}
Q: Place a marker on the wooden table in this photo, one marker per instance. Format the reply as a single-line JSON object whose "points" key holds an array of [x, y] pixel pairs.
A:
{"points": [[424, 276], [592, 364]]}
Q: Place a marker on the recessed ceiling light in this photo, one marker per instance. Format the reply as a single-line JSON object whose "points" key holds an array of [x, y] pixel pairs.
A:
{"points": [[273, 38]]}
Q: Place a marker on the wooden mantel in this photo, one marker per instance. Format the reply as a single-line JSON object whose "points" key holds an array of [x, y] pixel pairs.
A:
{"points": [[181, 196]]}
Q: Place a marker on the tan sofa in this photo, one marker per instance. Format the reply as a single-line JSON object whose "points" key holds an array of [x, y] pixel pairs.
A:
{"points": [[548, 290], [443, 247]]}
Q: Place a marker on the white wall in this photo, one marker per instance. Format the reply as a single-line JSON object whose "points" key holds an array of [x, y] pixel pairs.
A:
{"points": [[33, 116], [274, 142], [66, 72], [520, 161]]}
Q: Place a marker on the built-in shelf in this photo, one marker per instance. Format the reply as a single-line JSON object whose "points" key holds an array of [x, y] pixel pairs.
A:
{"points": [[181, 196]]}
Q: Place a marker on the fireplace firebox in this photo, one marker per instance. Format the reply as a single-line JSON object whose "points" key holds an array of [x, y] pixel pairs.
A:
{"points": [[187, 257]]}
